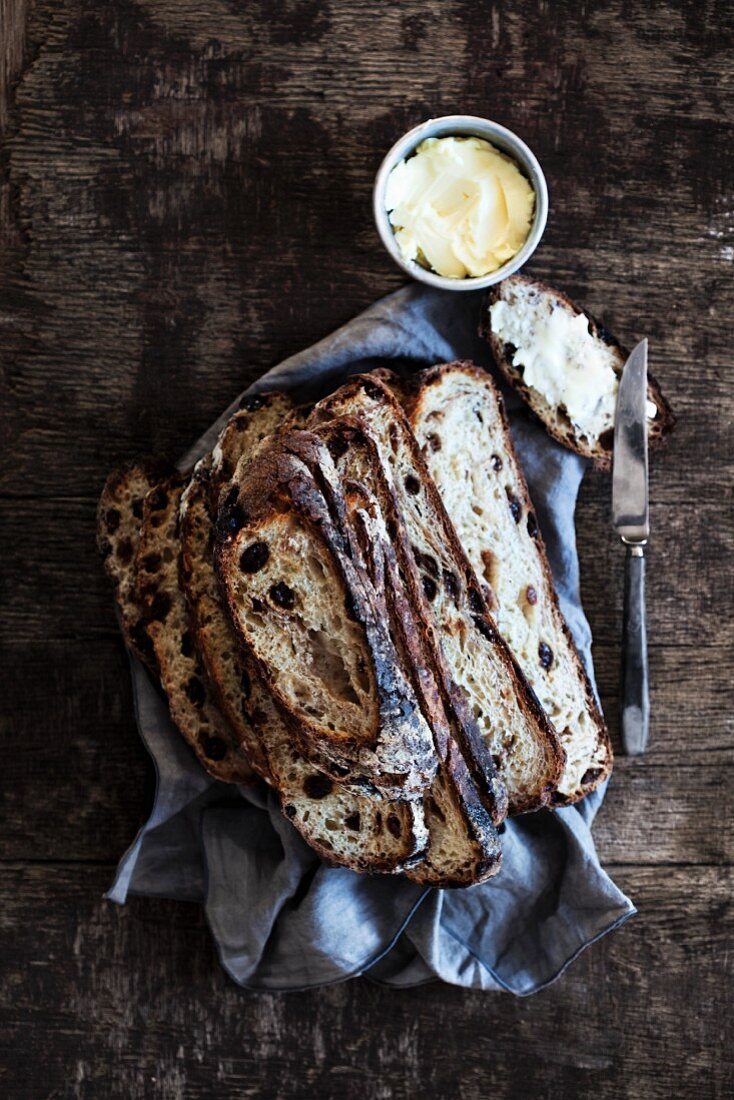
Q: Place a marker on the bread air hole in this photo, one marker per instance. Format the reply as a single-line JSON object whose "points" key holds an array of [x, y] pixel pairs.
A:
{"points": [[328, 665], [491, 569]]}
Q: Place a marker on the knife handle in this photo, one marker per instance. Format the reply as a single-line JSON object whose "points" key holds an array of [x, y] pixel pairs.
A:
{"points": [[634, 696]]}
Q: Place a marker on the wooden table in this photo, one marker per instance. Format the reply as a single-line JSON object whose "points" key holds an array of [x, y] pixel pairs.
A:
{"points": [[185, 200]]}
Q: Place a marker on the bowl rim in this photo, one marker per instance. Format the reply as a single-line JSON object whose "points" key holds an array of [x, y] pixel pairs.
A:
{"points": [[463, 126]]}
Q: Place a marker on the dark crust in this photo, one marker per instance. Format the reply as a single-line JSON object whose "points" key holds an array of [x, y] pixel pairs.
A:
{"points": [[472, 745], [289, 475], [233, 767], [483, 852], [602, 459], [421, 383], [150, 471]]}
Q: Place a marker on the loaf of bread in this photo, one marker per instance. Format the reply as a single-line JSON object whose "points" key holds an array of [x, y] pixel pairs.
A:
{"points": [[483, 688], [353, 604], [315, 624], [565, 365], [360, 831], [457, 416]]}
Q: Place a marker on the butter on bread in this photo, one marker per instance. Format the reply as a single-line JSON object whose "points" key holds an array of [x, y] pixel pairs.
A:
{"points": [[564, 365]]}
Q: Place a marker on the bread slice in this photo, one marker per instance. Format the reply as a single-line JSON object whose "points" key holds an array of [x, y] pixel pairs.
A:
{"points": [[362, 832], [458, 417], [182, 675], [119, 516], [259, 416], [481, 682], [565, 365], [215, 642], [463, 846], [226, 666], [314, 623]]}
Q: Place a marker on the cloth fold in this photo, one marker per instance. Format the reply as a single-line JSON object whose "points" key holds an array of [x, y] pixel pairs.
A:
{"points": [[281, 919]]}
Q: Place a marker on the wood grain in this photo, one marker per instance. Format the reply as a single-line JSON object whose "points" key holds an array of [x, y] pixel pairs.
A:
{"points": [[184, 201], [141, 1008]]}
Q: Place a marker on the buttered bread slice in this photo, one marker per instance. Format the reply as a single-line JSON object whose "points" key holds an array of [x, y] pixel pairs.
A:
{"points": [[565, 365]]}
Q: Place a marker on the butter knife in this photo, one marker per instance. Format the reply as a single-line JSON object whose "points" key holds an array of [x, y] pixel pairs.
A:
{"points": [[631, 520]]}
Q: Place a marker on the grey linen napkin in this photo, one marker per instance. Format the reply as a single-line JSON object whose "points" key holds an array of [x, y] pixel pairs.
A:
{"points": [[282, 920]]}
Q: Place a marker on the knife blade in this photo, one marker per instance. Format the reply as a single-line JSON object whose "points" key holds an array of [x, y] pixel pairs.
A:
{"points": [[630, 511]]}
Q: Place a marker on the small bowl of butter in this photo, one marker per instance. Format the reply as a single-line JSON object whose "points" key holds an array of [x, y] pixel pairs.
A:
{"points": [[460, 202]]}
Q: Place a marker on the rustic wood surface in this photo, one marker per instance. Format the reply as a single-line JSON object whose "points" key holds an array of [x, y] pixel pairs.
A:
{"points": [[184, 200]]}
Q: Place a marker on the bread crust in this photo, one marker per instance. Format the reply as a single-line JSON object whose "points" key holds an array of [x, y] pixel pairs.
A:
{"points": [[453, 793], [355, 399], [415, 392], [294, 474], [600, 453]]}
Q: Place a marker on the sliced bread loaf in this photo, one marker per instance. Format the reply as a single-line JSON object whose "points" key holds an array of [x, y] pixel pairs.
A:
{"points": [[565, 365], [463, 846], [314, 623], [182, 675], [351, 828], [458, 418], [119, 516], [481, 683]]}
